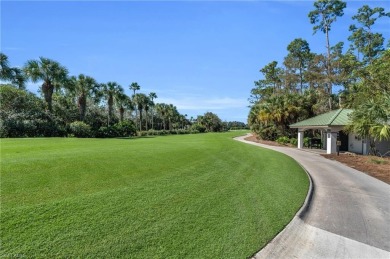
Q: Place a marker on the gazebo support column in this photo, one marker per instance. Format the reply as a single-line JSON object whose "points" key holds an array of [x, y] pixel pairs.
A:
{"points": [[323, 139], [331, 142], [300, 138]]}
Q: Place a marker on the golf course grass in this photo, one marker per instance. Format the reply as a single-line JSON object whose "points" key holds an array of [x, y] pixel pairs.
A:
{"points": [[184, 196]]}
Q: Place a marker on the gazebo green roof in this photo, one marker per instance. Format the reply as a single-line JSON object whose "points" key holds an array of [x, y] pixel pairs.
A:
{"points": [[333, 118]]}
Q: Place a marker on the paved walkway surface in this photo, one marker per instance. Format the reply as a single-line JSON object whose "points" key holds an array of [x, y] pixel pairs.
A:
{"points": [[347, 215]]}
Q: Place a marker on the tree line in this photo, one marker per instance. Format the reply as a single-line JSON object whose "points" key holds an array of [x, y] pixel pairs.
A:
{"points": [[303, 86], [83, 107]]}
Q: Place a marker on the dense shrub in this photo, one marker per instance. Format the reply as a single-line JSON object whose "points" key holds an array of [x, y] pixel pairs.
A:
{"points": [[107, 132], [30, 124], [183, 131], [179, 132], [173, 132], [96, 118], [199, 128], [306, 142], [65, 109], [23, 114], [125, 128], [283, 140], [293, 141], [16, 100], [235, 125], [120, 129], [269, 132], [143, 133], [163, 132], [80, 129]]}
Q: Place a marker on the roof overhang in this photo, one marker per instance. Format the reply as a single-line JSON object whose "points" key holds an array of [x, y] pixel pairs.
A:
{"points": [[310, 127], [329, 127]]}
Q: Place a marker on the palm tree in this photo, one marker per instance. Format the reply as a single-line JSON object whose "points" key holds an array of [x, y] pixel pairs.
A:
{"points": [[141, 101], [13, 74], [112, 92], [83, 87], [172, 113], [148, 103], [5, 69], [50, 72], [152, 96], [134, 87], [123, 102], [130, 105], [183, 120], [162, 110], [18, 78]]}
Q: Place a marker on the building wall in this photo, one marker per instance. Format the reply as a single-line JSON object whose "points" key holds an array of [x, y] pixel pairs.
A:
{"points": [[355, 143], [383, 147]]}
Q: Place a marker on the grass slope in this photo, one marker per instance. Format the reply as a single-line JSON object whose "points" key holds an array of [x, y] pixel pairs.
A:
{"points": [[196, 196]]}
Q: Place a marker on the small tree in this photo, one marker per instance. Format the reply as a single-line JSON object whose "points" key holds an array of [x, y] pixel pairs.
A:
{"points": [[211, 121]]}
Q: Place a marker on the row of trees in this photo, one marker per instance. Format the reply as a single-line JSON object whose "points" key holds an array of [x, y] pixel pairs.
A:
{"points": [[81, 106], [303, 86]]}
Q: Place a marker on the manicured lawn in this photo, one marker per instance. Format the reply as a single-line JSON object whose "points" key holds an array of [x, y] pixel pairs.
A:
{"points": [[193, 196]]}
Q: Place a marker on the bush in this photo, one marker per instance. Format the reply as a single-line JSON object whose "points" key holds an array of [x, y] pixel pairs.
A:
{"points": [[199, 128], [23, 114], [152, 132], [264, 132], [30, 124], [80, 129], [293, 141], [142, 133], [125, 129], [107, 132], [183, 131], [306, 142], [283, 140]]}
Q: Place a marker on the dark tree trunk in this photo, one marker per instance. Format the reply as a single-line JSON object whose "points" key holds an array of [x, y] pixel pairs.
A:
{"points": [[152, 120], [110, 104], [140, 120], [48, 89], [121, 113], [146, 120], [82, 103]]}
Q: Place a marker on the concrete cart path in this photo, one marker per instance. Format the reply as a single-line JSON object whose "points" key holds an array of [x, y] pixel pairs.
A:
{"points": [[348, 215]]}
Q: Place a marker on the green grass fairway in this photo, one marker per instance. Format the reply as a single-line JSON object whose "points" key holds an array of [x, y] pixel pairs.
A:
{"points": [[184, 196]]}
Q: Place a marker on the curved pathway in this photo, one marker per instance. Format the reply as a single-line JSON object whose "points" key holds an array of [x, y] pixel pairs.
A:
{"points": [[347, 215]]}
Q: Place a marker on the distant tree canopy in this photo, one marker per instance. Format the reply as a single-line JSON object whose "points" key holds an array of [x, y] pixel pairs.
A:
{"points": [[82, 107], [303, 87], [210, 122]]}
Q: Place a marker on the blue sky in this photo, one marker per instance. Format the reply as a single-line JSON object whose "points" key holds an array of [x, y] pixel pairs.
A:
{"points": [[198, 55]]}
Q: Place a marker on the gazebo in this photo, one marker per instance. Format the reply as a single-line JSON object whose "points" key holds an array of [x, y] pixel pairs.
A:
{"points": [[330, 125]]}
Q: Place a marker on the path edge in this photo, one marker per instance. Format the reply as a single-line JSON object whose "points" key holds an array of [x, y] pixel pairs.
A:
{"points": [[301, 213]]}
